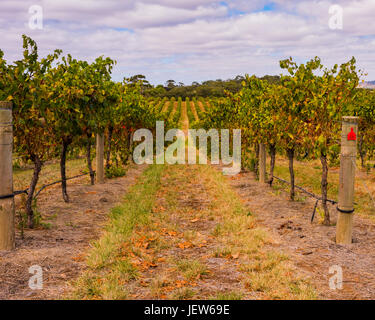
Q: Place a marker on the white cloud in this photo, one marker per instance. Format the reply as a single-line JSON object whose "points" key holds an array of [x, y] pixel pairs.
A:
{"points": [[195, 39], [150, 15]]}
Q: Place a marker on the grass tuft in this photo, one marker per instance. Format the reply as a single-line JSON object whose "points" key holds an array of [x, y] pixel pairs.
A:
{"points": [[109, 270]]}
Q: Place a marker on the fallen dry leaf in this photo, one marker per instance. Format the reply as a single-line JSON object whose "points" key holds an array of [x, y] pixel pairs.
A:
{"points": [[143, 284], [171, 233], [181, 283], [235, 256], [185, 245], [78, 258]]}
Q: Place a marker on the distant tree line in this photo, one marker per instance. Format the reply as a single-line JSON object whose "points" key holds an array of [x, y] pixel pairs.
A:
{"points": [[211, 88]]}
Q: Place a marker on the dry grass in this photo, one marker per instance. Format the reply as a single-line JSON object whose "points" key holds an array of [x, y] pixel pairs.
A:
{"points": [[155, 235], [194, 110], [268, 272], [111, 261], [308, 176], [50, 173], [191, 269], [166, 106]]}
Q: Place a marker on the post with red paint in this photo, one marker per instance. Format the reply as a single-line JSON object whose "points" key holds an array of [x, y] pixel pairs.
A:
{"points": [[344, 227]]}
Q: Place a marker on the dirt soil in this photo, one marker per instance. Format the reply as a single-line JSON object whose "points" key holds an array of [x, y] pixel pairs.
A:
{"points": [[312, 247], [60, 250]]}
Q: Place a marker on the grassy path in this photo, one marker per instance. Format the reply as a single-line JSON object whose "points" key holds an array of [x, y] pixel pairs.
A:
{"points": [[201, 106], [184, 121], [183, 233], [194, 110], [166, 106], [174, 110]]}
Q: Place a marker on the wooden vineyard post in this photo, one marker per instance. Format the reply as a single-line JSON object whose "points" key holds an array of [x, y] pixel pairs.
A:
{"points": [[100, 158], [262, 163], [6, 177], [344, 227]]}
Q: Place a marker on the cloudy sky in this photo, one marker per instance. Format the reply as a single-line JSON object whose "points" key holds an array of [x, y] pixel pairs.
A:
{"points": [[194, 40]]}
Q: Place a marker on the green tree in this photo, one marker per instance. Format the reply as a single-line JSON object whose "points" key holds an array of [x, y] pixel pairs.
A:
{"points": [[26, 86], [294, 110]]}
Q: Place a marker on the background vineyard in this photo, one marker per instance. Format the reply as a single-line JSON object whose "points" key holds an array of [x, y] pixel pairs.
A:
{"points": [[61, 106], [168, 110], [61, 103]]}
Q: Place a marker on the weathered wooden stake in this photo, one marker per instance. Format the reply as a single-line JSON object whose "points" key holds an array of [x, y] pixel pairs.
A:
{"points": [[6, 177], [262, 163], [100, 158], [344, 227]]}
